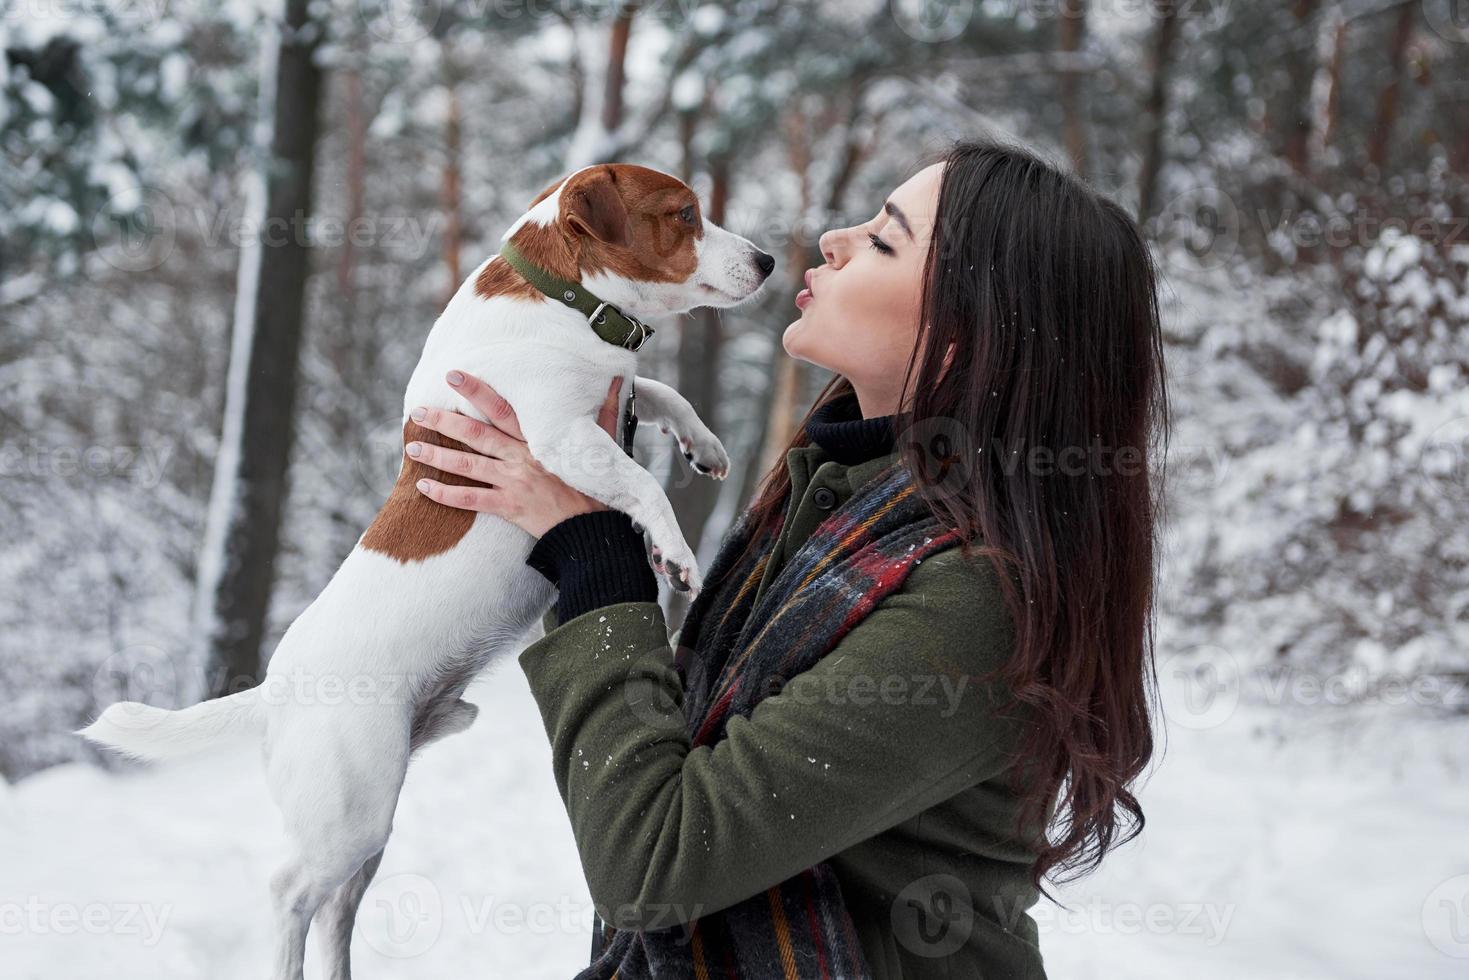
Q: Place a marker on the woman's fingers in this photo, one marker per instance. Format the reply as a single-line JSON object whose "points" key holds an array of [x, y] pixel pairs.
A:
{"points": [[483, 437], [607, 418], [485, 398], [473, 466], [479, 436], [482, 499]]}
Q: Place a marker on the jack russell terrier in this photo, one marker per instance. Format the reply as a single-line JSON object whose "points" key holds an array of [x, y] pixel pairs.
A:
{"points": [[430, 594]]}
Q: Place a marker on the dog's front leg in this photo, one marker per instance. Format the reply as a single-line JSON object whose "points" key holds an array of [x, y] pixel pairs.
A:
{"points": [[661, 405], [585, 457]]}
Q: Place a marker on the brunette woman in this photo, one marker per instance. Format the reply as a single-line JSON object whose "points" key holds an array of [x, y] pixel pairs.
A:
{"points": [[916, 684]]}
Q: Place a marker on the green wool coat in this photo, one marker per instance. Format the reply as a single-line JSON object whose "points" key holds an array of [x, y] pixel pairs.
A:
{"points": [[887, 759]]}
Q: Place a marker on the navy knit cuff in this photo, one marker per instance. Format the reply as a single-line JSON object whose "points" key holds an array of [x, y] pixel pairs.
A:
{"points": [[596, 559]]}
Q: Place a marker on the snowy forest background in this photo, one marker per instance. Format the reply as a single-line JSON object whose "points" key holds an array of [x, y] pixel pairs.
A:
{"points": [[1302, 167]]}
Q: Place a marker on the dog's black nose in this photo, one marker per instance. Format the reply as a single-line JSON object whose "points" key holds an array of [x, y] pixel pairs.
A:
{"points": [[765, 263]]}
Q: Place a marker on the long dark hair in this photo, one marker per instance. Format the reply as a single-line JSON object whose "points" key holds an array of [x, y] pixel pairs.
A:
{"points": [[1038, 441]]}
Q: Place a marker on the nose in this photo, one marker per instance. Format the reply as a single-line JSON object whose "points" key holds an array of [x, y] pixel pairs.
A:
{"points": [[833, 247], [765, 263]]}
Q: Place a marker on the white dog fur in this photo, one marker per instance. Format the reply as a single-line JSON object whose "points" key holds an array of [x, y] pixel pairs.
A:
{"points": [[399, 641]]}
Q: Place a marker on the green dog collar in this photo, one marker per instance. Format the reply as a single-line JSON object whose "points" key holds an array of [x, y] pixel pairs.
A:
{"points": [[610, 323]]}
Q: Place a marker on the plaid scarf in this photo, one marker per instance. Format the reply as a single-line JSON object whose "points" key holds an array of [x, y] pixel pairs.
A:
{"points": [[734, 652]]}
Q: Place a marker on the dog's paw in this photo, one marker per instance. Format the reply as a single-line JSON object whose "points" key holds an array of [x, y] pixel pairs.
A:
{"points": [[705, 454], [678, 566]]}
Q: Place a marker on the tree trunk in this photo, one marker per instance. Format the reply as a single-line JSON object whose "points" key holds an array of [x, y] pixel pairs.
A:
{"points": [[237, 569], [1301, 72], [700, 353], [789, 373], [612, 104], [1380, 145], [688, 122], [1459, 151], [1325, 128], [1156, 108], [1458, 135], [600, 140], [1071, 31], [356, 179]]}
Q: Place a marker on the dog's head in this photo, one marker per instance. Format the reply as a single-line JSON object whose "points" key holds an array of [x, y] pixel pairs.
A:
{"points": [[638, 239]]}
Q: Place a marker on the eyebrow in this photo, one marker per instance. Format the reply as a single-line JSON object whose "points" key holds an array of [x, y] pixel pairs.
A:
{"points": [[899, 217]]}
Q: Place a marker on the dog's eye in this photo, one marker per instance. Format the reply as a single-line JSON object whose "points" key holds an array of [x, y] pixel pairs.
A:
{"points": [[687, 215]]}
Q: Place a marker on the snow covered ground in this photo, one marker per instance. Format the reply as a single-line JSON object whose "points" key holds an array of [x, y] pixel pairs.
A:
{"points": [[480, 879], [1285, 844], [1280, 846]]}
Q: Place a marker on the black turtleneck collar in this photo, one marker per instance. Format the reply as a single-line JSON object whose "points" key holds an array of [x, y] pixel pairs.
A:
{"points": [[839, 428]]}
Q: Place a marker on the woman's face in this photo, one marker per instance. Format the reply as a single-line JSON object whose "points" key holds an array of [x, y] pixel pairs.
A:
{"points": [[859, 312]]}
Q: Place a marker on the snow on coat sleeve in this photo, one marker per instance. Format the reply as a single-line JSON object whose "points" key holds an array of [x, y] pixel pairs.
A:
{"points": [[896, 718]]}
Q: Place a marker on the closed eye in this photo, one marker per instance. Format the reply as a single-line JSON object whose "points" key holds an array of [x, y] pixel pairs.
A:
{"points": [[879, 245]]}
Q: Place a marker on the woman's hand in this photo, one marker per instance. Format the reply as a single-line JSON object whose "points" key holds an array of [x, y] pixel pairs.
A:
{"points": [[519, 488]]}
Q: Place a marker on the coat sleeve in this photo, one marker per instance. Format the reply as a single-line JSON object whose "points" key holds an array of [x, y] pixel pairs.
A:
{"points": [[898, 717]]}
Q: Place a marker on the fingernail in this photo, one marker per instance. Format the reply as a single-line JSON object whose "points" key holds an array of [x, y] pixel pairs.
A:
{"points": [[418, 414], [456, 379], [422, 485], [414, 449]]}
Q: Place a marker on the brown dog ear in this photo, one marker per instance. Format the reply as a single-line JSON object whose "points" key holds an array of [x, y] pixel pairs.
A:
{"points": [[594, 207]]}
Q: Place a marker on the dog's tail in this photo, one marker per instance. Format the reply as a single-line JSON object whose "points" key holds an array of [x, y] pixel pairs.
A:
{"points": [[141, 731]]}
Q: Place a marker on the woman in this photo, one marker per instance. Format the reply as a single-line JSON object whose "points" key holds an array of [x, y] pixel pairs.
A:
{"points": [[927, 641]]}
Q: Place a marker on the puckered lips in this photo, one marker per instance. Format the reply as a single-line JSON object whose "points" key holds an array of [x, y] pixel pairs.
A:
{"points": [[805, 296]]}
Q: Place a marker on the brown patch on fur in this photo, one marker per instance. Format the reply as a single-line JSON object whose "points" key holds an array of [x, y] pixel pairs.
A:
{"points": [[549, 247], [543, 246], [409, 526], [498, 279], [659, 246], [653, 243]]}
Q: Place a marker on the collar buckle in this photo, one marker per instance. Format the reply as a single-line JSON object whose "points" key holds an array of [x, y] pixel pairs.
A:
{"points": [[598, 317], [642, 330], [578, 299]]}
